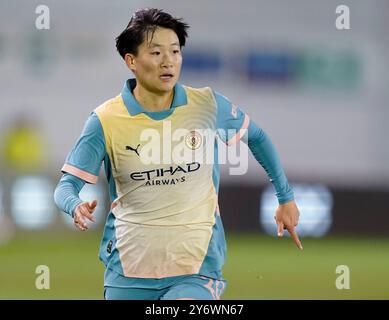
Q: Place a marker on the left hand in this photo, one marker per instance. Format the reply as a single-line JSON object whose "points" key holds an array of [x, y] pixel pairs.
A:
{"points": [[287, 217]]}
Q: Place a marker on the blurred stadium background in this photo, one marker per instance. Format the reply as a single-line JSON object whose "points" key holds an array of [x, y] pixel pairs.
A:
{"points": [[320, 93]]}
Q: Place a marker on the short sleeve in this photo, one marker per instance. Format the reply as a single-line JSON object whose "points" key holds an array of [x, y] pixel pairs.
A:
{"points": [[84, 160], [232, 121]]}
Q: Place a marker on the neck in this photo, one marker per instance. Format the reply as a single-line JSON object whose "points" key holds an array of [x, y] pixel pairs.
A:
{"points": [[152, 101]]}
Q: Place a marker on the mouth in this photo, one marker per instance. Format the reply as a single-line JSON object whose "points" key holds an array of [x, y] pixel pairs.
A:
{"points": [[166, 76]]}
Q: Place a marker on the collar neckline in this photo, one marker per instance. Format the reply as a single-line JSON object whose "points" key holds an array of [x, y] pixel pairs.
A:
{"points": [[133, 106]]}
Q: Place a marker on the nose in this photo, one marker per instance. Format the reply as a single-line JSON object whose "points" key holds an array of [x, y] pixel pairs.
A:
{"points": [[167, 61]]}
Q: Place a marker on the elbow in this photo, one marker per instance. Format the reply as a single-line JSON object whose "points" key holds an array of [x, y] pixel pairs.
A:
{"points": [[56, 195], [255, 134]]}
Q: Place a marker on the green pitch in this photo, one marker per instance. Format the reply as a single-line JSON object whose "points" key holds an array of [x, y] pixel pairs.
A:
{"points": [[258, 267]]}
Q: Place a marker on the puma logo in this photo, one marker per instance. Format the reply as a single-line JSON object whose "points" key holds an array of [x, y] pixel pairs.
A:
{"points": [[132, 149]]}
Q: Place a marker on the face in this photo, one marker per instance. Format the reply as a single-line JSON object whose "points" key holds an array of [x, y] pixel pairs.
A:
{"points": [[157, 65]]}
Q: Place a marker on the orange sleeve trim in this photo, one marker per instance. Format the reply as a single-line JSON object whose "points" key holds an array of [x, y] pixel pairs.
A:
{"points": [[86, 176], [241, 132]]}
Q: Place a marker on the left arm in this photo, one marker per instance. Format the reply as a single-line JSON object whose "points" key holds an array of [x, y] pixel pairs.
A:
{"points": [[230, 117], [287, 213]]}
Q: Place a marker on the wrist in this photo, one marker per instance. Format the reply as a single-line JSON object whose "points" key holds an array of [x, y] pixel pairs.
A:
{"points": [[74, 207], [287, 203]]}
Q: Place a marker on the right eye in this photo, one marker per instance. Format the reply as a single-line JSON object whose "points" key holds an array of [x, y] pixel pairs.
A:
{"points": [[155, 53]]}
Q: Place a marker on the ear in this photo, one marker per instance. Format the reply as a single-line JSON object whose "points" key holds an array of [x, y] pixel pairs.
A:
{"points": [[130, 61]]}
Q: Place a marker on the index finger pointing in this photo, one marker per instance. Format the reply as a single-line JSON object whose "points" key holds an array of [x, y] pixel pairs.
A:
{"points": [[295, 237]]}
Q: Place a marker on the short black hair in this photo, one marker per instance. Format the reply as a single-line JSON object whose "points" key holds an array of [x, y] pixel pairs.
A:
{"points": [[144, 21]]}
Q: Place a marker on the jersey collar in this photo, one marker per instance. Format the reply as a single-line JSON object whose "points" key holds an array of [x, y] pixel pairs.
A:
{"points": [[134, 108]]}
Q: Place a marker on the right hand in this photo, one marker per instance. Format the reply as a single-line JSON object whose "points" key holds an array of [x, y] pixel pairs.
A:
{"points": [[82, 212]]}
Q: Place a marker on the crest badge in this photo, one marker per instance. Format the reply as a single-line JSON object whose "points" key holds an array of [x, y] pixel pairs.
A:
{"points": [[193, 140]]}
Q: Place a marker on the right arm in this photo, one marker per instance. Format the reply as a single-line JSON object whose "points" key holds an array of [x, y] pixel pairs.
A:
{"points": [[66, 193], [82, 166]]}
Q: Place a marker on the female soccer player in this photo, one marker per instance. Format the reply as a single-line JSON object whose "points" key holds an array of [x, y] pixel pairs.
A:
{"points": [[163, 238]]}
